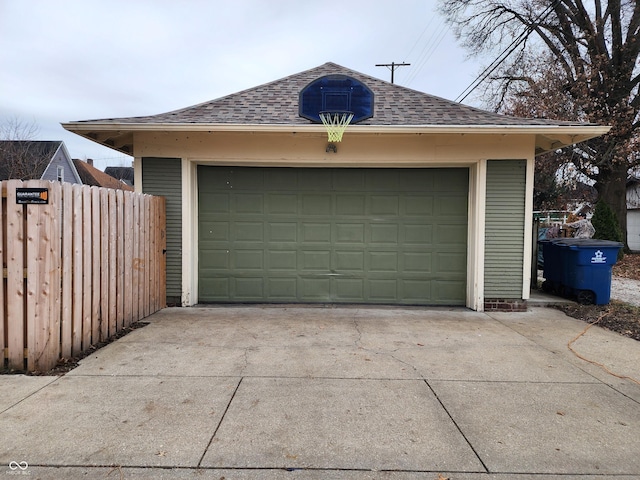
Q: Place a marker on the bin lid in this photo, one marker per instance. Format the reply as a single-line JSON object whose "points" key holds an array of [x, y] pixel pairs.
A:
{"points": [[586, 243]]}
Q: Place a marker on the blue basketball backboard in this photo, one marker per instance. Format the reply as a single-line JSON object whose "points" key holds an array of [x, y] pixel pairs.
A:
{"points": [[336, 93]]}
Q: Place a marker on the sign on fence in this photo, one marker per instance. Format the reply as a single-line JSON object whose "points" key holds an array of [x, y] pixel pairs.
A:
{"points": [[79, 264], [25, 196]]}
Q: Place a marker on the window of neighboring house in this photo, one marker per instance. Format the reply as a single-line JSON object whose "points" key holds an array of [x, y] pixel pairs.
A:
{"points": [[60, 174]]}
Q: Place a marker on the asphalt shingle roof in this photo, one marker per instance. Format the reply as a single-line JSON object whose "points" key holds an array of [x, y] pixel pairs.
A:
{"points": [[92, 176], [276, 103]]}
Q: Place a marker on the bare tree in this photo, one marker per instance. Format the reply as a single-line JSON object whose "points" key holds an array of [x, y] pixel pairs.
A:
{"points": [[569, 61], [21, 156]]}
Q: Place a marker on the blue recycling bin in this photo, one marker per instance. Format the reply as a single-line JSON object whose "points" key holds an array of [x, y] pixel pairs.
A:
{"points": [[580, 267], [553, 269]]}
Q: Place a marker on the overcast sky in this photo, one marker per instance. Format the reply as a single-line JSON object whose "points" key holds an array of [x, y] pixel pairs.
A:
{"points": [[68, 60]]}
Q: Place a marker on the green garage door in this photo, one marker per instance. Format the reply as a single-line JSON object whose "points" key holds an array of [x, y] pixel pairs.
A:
{"points": [[380, 236]]}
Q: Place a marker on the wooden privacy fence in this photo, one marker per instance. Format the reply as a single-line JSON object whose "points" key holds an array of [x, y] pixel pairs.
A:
{"points": [[76, 270]]}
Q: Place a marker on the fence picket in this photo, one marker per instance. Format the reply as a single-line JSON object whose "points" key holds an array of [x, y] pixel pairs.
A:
{"points": [[67, 255], [54, 272], [127, 258], [113, 251], [136, 259], [3, 263], [87, 272], [78, 261], [15, 278], [93, 270], [119, 259]]}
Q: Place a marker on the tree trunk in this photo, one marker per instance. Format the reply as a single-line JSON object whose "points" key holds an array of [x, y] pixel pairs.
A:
{"points": [[612, 188]]}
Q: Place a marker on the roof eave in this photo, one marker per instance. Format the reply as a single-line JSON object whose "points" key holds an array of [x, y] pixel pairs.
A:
{"points": [[119, 136]]}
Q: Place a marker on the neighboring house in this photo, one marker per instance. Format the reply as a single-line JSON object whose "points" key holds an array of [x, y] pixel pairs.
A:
{"points": [[46, 160], [633, 213], [424, 202], [124, 174], [92, 176]]}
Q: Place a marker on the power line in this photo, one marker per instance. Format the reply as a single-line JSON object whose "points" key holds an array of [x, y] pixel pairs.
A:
{"points": [[428, 50], [505, 54]]}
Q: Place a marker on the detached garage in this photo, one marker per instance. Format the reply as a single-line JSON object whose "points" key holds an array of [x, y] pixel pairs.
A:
{"points": [[423, 202]]}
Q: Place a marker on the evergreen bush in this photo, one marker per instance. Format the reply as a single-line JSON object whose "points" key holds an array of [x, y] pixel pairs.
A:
{"points": [[606, 224]]}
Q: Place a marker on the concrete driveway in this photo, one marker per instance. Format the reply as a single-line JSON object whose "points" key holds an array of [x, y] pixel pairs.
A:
{"points": [[327, 393]]}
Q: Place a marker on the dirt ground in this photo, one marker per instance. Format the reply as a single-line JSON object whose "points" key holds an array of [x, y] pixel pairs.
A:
{"points": [[617, 316]]}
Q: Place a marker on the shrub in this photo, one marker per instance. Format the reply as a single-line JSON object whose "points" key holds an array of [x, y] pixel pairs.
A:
{"points": [[606, 224]]}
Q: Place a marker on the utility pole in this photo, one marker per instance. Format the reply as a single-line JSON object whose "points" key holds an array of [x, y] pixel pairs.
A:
{"points": [[392, 66]]}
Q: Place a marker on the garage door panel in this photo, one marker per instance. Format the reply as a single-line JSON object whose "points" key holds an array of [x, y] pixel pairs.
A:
{"points": [[333, 235], [349, 289], [248, 204], [384, 205], [316, 205], [350, 233], [283, 232], [216, 259], [417, 234], [349, 180], [218, 289], [383, 234], [450, 235], [383, 262], [383, 180], [450, 263], [282, 204], [351, 205], [249, 288], [418, 205], [281, 179], [318, 260], [250, 179], [383, 290], [249, 260], [352, 261], [448, 290], [414, 290], [417, 262], [283, 260], [313, 289], [315, 180], [211, 231], [282, 289], [215, 203], [316, 233], [451, 206], [248, 231]]}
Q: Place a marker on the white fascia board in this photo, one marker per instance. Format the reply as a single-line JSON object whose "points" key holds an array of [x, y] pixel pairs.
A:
{"points": [[232, 127]]}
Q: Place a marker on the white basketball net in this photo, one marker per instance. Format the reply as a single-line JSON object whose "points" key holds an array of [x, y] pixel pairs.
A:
{"points": [[335, 123]]}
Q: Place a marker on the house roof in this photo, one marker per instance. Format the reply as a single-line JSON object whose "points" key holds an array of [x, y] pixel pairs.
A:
{"points": [[273, 106], [92, 176], [124, 174], [37, 152]]}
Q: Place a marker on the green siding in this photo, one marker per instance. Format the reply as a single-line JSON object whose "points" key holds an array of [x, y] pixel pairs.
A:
{"points": [[163, 177], [332, 235], [504, 228]]}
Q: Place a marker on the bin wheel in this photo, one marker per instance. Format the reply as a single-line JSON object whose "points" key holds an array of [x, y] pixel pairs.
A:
{"points": [[547, 286], [586, 297]]}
